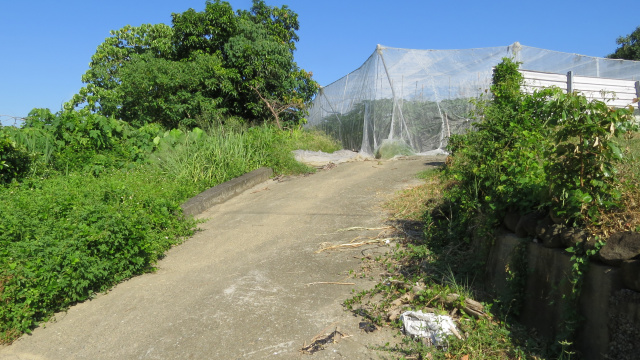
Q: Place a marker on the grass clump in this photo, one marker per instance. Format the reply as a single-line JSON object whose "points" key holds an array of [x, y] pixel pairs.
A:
{"points": [[314, 140], [391, 148], [212, 158]]}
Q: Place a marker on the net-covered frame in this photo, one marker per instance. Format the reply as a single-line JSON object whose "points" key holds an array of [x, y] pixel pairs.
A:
{"points": [[421, 97]]}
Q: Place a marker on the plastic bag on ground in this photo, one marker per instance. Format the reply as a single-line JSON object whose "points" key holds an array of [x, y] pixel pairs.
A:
{"points": [[431, 327]]}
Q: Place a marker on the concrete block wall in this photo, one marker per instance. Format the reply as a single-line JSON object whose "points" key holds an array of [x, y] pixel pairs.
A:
{"points": [[610, 326]]}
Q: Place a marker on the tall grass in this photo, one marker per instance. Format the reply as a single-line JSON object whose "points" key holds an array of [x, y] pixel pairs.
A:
{"points": [[39, 144], [210, 159], [219, 155]]}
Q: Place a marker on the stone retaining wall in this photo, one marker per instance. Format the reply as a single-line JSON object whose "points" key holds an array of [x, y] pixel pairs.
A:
{"points": [[609, 307]]}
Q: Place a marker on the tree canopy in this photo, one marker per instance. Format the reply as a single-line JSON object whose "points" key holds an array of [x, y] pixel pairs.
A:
{"points": [[208, 64], [629, 48]]}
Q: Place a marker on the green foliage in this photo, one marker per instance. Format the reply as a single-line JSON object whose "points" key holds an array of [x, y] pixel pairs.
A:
{"points": [[77, 137], [629, 48], [208, 64], [571, 318], [66, 237], [506, 83], [14, 162], [582, 162], [79, 140], [500, 166], [548, 149], [101, 94], [174, 93], [517, 272]]}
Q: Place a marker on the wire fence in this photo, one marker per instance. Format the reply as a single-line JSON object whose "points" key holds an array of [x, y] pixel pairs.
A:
{"points": [[8, 120]]}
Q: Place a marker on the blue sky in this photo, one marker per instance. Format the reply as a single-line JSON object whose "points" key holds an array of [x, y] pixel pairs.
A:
{"points": [[47, 45]]}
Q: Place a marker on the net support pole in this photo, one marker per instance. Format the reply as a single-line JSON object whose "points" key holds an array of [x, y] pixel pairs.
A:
{"points": [[638, 93], [515, 50], [569, 82], [393, 91]]}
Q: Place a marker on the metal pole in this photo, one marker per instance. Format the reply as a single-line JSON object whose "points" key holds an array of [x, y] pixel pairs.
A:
{"points": [[638, 93], [570, 82], [393, 91]]}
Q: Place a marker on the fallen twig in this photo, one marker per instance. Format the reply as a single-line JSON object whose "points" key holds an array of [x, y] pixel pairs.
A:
{"points": [[353, 244], [349, 245], [356, 228], [329, 282], [319, 341]]}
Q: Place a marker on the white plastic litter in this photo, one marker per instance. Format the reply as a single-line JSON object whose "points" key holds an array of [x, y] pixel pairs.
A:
{"points": [[433, 328]]}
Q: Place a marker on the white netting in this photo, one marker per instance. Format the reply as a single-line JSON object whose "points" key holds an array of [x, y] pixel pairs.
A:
{"points": [[422, 96]]}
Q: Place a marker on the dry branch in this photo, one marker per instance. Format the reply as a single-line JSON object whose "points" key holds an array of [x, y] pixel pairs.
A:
{"points": [[329, 282], [470, 306], [321, 339], [356, 244], [356, 228]]}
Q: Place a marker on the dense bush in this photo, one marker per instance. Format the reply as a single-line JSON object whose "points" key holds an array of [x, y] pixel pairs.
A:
{"points": [[66, 237], [14, 162], [547, 151]]}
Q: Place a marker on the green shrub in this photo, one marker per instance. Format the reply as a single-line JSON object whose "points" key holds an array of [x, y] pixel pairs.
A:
{"points": [[66, 237], [14, 162], [499, 167], [108, 206], [545, 152], [581, 171], [548, 150]]}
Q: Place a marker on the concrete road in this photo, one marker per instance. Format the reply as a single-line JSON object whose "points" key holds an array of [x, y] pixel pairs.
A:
{"points": [[242, 288]]}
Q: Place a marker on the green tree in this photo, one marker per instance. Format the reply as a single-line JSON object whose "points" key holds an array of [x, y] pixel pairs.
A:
{"points": [[101, 94], [174, 92], [629, 48], [208, 64]]}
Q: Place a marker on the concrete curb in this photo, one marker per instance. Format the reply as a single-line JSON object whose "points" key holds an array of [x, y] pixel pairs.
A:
{"points": [[225, 191]]}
